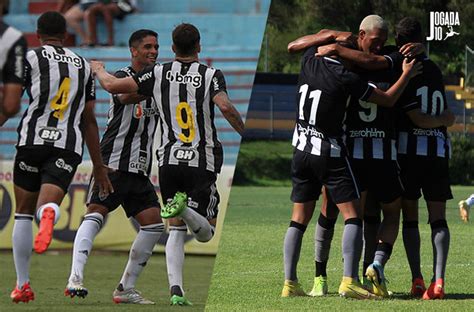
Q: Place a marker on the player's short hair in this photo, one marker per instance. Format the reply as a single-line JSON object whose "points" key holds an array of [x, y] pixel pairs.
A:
{"points": [[51, 24], [408, 30], [186, 38], [137, 37], [372, 22]]}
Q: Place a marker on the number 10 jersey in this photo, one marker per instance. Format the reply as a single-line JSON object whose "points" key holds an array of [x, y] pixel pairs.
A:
{"points": [[58, 83], [183, 93]]}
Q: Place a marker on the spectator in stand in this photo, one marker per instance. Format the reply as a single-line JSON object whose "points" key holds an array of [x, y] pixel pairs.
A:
{"points": [[75, 15], [109, 10]]}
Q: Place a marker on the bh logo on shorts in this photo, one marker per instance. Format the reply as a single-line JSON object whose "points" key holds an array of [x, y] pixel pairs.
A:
{"points": [[438, 20], [61, 164], [184, 154]]}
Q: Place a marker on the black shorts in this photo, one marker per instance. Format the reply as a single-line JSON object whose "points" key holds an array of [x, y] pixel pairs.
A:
{"points": [[380, 177], [309, 173], [429, 175], [37, 165], [199, 184], [133, 191]]}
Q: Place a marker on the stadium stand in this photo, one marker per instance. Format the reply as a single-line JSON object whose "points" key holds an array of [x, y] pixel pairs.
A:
{"points": [[231, 35]]}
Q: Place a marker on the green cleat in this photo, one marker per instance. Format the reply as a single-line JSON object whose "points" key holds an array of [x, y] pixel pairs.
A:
{"points": [[181, 301], [320, 287], [175, 207]]}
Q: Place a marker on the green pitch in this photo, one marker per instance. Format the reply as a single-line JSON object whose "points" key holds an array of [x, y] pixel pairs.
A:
{"points": [[248, 274], [49, 274]]}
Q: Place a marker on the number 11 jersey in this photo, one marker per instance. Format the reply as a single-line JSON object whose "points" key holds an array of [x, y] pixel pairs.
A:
{"points": [[184, 94], [58, 83], [324, 87]]}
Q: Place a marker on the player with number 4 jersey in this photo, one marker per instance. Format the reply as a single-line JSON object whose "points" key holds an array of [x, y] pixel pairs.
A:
{"points": [[59, 118]]}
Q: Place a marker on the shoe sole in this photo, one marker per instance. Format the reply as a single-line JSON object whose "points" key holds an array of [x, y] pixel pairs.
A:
{"points": [[175, 206], [23, 298], [45, 233], [73, 292]]}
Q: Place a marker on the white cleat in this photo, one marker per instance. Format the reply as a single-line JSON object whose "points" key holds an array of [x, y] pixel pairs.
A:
{"points": [[130, 296]]}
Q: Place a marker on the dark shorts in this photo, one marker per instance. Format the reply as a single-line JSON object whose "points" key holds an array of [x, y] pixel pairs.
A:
{"points": [[309, 173], [199, 184], [427, 175], [37, 165], [380, 177], [133, 191]]}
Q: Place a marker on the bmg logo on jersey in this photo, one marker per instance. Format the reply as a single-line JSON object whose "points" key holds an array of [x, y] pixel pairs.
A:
{"points": [[76, 61], [194, 78], [50, 134], [438, 20], [184, 154]]}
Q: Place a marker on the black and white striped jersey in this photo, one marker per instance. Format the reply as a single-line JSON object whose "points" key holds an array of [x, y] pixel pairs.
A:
{"points": [[12, 55], [324, 86], [424, 92], [128, 139], [370, 129], [184, 93], [59, 83]]}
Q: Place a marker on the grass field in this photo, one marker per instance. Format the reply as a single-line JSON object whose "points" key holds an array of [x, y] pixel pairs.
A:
{"points": [[49, 273], [248, 274]]}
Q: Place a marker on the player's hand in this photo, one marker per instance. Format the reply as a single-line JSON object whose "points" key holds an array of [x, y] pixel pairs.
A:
{"points": [[102, 181], [448, 117], [412, 49], [412, 68], [97, 66], [327, 50]]}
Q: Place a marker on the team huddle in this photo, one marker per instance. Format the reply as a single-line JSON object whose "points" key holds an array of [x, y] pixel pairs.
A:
{"points": [[371, 136], [174, 101]]}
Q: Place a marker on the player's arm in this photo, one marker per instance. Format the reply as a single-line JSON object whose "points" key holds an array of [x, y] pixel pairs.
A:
{"points": [[370, 61], [390, 97], [229, 111], [91, 136], [426, 121], [13, 79], [111, 83], [324, 36], [127, 98]]}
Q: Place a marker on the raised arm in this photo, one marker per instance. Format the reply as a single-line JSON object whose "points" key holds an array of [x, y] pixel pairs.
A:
{"points": [[359, 58], [324, 36], [228, 110], [390, 97], [111, 83]]}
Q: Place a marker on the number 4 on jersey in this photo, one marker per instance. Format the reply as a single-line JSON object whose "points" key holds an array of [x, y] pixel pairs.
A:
{"points": [[60, 101]]}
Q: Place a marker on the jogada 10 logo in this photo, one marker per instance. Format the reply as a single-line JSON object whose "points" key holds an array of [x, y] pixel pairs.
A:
{"points": [[442, 25]]}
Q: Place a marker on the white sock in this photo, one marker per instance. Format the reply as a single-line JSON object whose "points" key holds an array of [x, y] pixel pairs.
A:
{"points": [[199, 225], [175, 257], [470, 200], [140, 252], [83, 244], [22, 239]]}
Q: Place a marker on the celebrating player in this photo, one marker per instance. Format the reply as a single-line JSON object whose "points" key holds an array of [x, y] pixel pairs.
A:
{"points": [[50, 144], [190, 155], [12, 67], [126, 147], [320, 158]]}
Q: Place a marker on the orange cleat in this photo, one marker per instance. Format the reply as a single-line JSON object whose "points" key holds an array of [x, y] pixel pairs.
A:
{"points": [[45, 233], [23, 294], [418, 287], [435, 291]]}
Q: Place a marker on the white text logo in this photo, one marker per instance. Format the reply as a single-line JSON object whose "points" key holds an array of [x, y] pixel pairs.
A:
{"points": [[440, 20]]}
